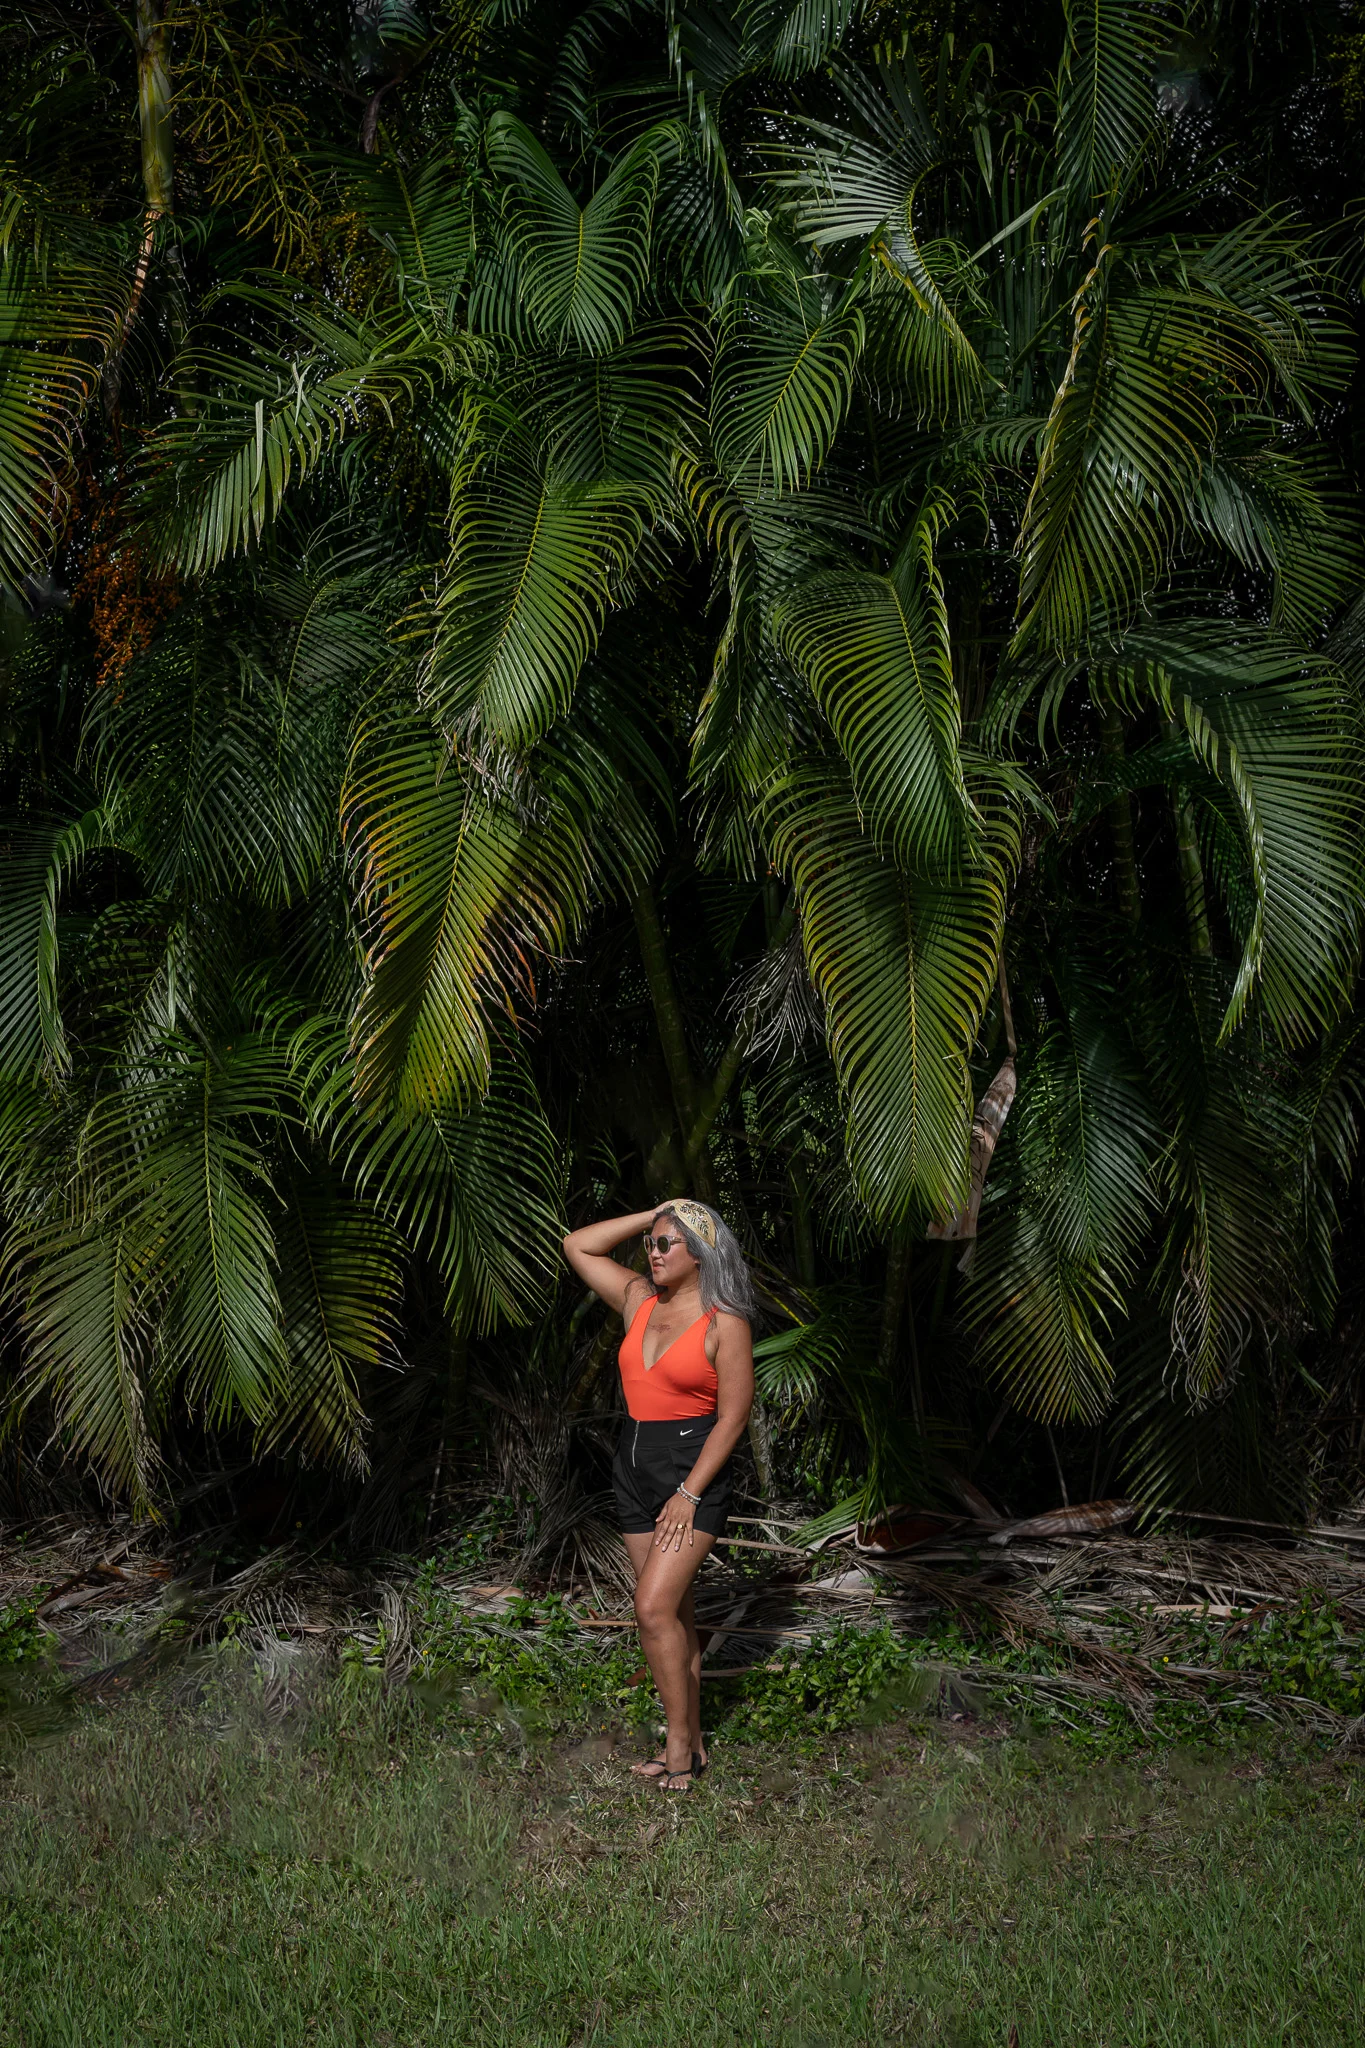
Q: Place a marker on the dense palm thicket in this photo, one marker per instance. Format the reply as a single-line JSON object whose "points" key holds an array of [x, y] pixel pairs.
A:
{"points": [[757, 597]]}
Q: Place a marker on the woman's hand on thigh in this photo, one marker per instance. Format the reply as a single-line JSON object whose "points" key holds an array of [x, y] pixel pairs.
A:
{"points": [[674, 1521]]}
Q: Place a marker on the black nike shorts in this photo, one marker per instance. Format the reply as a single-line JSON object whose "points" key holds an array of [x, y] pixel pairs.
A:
{"points": [[652, 1459]]}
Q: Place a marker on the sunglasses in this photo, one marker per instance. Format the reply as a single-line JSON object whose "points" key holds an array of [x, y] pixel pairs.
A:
{"points": [[663, 1244]]}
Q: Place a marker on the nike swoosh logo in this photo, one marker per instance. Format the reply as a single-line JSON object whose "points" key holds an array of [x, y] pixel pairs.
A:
{"points": [[684, 1432]]}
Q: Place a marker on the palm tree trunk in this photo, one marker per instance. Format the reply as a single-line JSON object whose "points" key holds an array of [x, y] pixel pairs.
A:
{"points": [[1192, 875], [154, 107], [668, 1014], [893, 1302], [803, 1229], [1120, 810], [153, 41]]}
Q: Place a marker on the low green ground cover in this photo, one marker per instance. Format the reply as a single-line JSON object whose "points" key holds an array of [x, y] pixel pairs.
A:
{"points": [[386, 1868], [537, 1659]]}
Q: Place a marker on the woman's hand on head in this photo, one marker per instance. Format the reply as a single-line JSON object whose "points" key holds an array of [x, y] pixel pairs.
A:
{"points": [[589, 1250]]}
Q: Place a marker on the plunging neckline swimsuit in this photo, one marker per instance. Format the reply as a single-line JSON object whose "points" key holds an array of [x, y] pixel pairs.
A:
{"points": [[672, 1410]]}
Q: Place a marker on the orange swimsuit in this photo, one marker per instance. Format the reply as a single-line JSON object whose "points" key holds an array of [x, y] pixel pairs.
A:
{"points": [[680, 1383]]}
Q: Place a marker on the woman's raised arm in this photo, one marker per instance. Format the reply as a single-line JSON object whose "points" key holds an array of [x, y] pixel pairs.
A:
{"points": [[588, 1252]]}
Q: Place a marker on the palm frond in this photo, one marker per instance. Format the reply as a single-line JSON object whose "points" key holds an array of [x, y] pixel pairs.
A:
{"points": [[877, 653], [475, 1191], [582, 269], [783, 381], [1106, 107], [34, 865], [461, 889], [1277, 727], [269, 403], [339, 1290], [903, 965], [1071, 1202], [536, 556]]}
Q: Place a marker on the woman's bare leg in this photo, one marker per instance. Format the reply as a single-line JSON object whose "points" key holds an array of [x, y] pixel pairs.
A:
{"points": [[667, 1618]]}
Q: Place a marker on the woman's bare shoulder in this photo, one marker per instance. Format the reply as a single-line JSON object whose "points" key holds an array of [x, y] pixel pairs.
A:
{"points": [[637, 1290], [727, 1328]]}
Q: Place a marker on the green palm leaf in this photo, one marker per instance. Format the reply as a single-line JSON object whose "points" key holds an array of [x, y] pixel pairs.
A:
{"points": [[423, 215], [622, 415], [473, 1190], [1106, 108], [536, 557], [33, 868], [55, 323], [200, 1198], [783, 381], [1044, 1323], [1166, 358], [461, 888], [79, 1291], [904, 965], [340, 1283], [1064, 1225], [582, 269], [263, 416], [1278, 729], [876, 652], [791, 36], [1227, 1260]]}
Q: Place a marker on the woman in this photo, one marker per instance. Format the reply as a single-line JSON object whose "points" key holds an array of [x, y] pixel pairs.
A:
{"points": [[687, 1370]]}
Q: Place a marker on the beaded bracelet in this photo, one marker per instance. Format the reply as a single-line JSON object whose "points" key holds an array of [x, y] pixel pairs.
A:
{"points": [[695, 1498]]}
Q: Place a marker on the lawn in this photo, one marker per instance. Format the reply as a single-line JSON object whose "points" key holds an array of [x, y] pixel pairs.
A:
{"points": [[194, 1866]]}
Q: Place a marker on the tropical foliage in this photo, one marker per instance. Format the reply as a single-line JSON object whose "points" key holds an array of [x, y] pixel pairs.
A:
{"points": [[602, 601]]}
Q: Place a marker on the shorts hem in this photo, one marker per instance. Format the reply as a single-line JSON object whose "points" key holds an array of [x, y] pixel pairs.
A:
{"points": [[635, 1525]]}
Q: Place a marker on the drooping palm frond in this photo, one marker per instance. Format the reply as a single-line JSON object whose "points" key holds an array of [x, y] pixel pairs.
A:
{"points": [[793, 1367], [224, 764], [852, 179], [877, 654], [783, 380], [791, 36], [1106, 107], [1225, 1273], [424, 215], [463, 885], [54, 331], [151, 1260], [903, 965], [34, 865], [536, 556], [80, 1296], [200, 1193], [1277, 726], [1279, 514], [339, 1294], [473, 1190], [1071, 1202], [1166, 356], [286, 383], [623, 415]]}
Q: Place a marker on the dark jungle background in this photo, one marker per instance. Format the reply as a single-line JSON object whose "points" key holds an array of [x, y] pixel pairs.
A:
{"points": [[602, 600]]}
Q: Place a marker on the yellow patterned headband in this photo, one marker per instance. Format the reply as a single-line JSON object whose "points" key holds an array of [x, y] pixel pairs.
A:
{"points": [[698, 1220]]}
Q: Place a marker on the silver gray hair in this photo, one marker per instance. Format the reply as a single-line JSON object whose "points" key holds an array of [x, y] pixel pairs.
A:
{"points": [[724, 1277]]}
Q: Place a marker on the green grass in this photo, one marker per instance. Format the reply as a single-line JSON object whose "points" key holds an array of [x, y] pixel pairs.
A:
{"points": [[361, 1872]]}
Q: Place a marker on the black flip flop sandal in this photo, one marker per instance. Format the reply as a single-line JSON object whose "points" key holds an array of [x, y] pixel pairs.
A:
{"points": [[652, 1776], [665, 1784]]}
